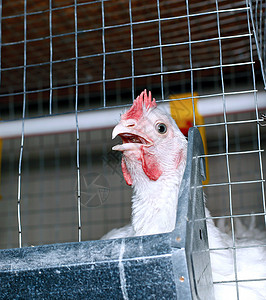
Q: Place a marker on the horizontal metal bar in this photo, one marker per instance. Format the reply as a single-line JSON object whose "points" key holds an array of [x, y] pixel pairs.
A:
{"points": [[106, 28], [239, 280], [231, 10], [53, 9], [108, 117], [231, 122], [232, 183], [116, 52], [237, 247], [129, 78], [230, 153], [236, 216], [60, 123]]}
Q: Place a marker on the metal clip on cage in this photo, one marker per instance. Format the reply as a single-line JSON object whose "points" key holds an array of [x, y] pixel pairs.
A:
{"points": [[174, 265]]}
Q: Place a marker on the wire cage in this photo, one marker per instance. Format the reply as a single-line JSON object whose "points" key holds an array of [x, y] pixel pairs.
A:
{"points": [[69, 68]]}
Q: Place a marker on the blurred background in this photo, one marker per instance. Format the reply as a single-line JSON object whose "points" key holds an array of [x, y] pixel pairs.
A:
{"points": [[59, 58]]}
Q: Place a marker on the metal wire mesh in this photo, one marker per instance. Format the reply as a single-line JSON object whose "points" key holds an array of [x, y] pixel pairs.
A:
{"points": [[62, 57]]}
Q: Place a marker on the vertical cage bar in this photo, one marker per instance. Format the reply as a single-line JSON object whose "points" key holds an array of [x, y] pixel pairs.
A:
{"points": [[160, 47], [227, 146], [249, 4], [58, 184], [51, 58], [249, 16], [42, 191], [23, 121], [11, 163], [191, 63], [260, 28], [77, 125], [0, 41], [104, 56], [264, 42], [132, 49]]}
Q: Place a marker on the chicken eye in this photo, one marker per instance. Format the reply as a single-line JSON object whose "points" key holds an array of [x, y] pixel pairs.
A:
{"points": [[161, 128]]}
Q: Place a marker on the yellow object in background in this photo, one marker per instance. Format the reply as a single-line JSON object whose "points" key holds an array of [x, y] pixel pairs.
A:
{"points": [[182, 113]]}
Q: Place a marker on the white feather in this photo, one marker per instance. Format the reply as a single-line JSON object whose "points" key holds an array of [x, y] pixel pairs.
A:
{"points": [[154, 205]]}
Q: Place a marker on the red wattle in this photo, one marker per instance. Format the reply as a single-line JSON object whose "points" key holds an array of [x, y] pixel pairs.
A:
{"points": [[126, 173], [150, 165]]}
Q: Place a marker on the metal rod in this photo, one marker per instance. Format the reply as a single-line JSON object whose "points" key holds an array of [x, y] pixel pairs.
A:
{"points": [[160, 47], [77, 126], [132, 50], [107, 118], [19, 198], [249, 16], [51, 57], [118, 51], [130, 77], [227, 147]]}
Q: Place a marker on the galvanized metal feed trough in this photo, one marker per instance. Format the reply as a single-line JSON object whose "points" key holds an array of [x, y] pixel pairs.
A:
{"points": [[175, 265]]}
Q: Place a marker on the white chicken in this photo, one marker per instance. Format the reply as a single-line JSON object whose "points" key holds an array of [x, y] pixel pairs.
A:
{"points": [[153, 163]]}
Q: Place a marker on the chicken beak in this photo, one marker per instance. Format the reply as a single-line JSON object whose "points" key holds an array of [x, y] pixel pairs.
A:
{"points": [[128, 127], [119, 128]]}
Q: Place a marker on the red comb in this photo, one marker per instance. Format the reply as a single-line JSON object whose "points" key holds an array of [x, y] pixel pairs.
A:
{"points": [[136, 110]]}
